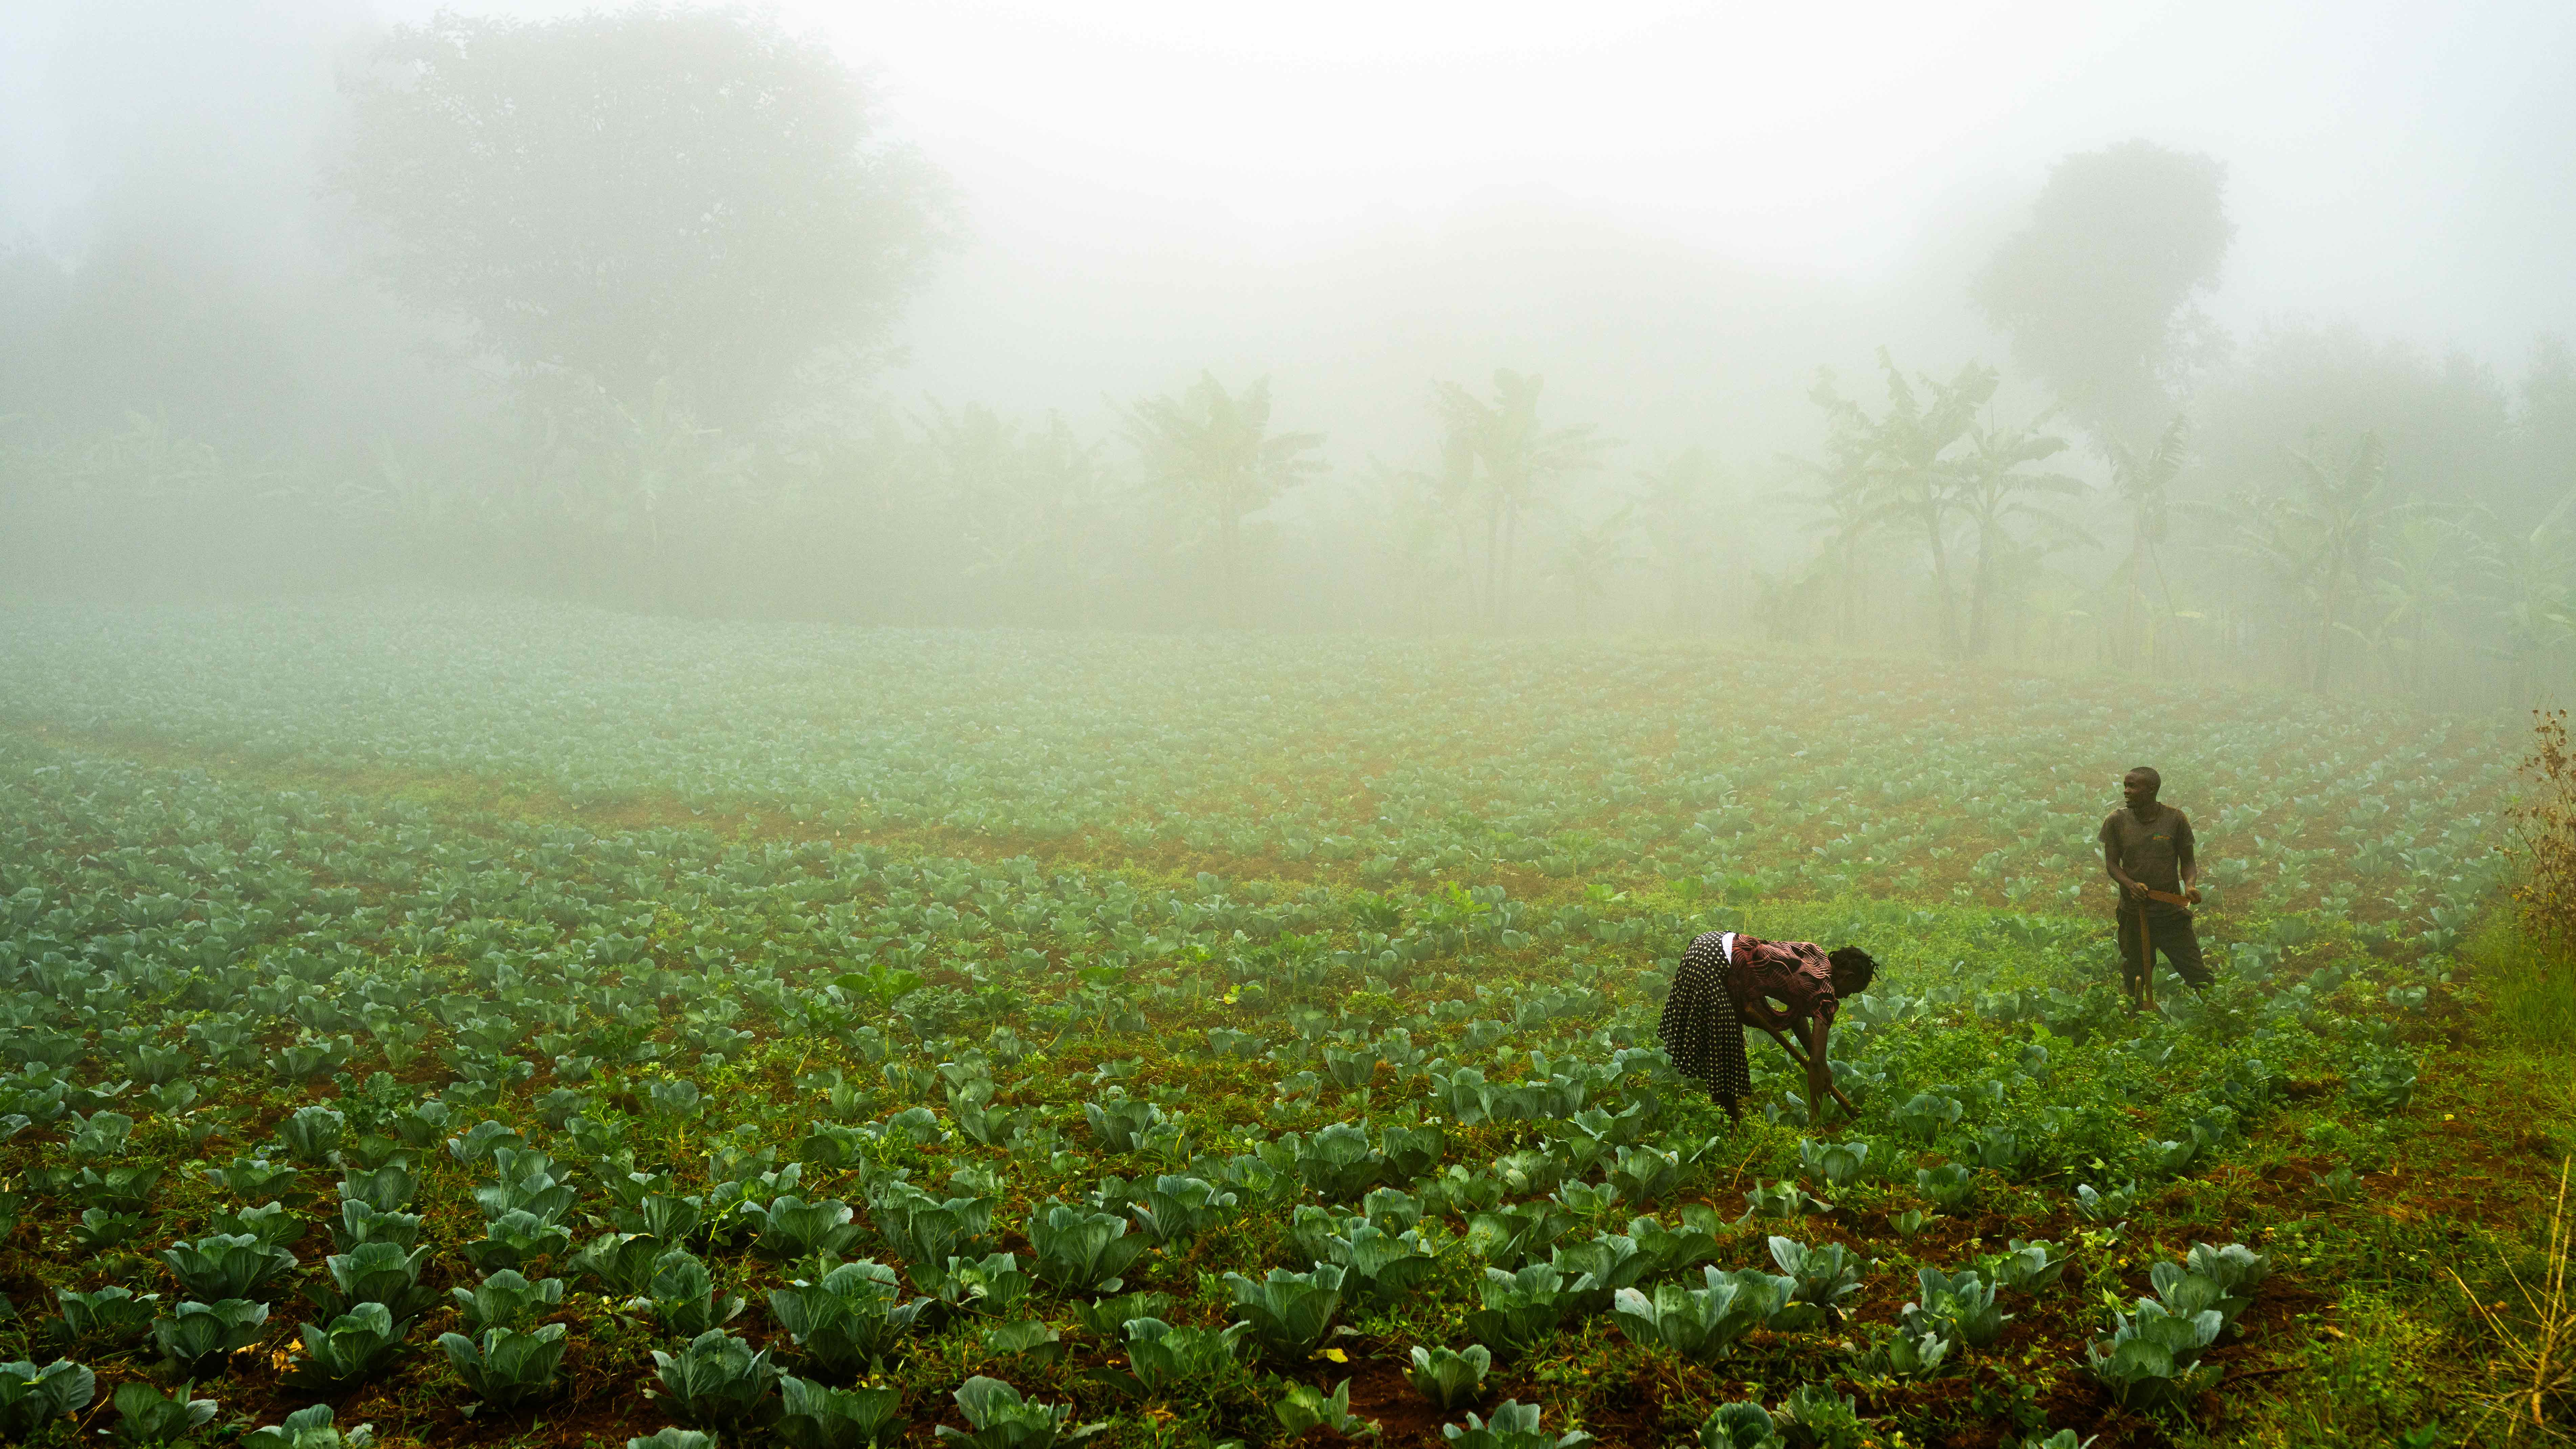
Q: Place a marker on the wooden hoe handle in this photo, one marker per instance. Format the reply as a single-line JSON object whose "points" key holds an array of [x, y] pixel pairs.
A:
{"points": [[1800, 1058]]}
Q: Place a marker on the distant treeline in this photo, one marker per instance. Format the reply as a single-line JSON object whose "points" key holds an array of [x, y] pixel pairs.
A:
{"points": [[647, 335]]}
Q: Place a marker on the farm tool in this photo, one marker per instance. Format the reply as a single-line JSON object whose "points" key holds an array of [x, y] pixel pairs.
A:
{"points": [[2146, 993], [1800, 1058]]}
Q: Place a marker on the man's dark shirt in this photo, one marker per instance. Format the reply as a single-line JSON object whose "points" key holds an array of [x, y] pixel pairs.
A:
{"points": [[2155, 852]]}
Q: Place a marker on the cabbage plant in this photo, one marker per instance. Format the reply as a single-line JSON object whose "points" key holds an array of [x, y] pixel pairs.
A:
{"points": [[999, 1418], [1450, 1378]]}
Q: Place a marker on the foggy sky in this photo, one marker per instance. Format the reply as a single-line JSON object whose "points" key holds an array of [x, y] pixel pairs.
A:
{"points": [[1636, 198]]}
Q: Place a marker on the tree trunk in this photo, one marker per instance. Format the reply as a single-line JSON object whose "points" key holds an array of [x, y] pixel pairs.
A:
{"points": [[1847, 595], [1941, 581], [2132, 597], [2325, 633], [1492, 609], [1980, 592], [1231, 584]]}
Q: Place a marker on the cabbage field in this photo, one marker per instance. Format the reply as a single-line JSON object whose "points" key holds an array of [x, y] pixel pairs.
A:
{"points": [[526, 1025]]}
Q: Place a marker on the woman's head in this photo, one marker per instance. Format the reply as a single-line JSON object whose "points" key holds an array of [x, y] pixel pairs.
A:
{"points": [[1854, 969]]}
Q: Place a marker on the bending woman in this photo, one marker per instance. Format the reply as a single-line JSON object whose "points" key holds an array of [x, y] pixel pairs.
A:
{"points": [[1728, 980]]}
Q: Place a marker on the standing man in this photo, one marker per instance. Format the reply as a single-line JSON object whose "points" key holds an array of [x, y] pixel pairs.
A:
{"points": [[2147, 851]]}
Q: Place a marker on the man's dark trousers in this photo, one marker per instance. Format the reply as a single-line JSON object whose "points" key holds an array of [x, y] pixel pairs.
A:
{"points": [[2174, 940]]}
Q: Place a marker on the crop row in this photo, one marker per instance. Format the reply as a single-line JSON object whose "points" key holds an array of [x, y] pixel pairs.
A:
{"points": [[686, 1111], [1376, 763]]}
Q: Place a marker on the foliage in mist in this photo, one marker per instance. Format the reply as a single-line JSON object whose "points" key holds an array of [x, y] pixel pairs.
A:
{"points": [[646, 197], [2098, 292], [631, 273], [1499, 463], [1215, 457]]}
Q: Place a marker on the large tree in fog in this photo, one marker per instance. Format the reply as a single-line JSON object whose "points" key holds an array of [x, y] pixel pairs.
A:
{"points": [[642, 195], [1213, 452], [2099, 292]]}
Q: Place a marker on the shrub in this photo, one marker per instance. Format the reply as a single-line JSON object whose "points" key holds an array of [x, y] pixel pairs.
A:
{"points": [[2545, 823]]}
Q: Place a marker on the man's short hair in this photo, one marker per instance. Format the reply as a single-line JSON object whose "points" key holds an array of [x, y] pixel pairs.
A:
{"points": [[2155, 781]]}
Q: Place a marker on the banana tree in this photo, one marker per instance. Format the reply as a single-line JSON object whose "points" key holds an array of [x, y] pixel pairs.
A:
{"points": [[2142, 480], [1993, 489], [1914, 481], [2322, 541], [1679, 506], [2528, 578], [1214, 452], [1586, 561], [1841, 507], [1030, 506], [1498, 460]]}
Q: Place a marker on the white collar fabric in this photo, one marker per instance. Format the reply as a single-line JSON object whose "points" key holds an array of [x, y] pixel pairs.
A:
{"points": [[1726, 947]]}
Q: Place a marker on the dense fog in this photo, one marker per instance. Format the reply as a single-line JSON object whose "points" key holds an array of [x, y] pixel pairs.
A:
{"points": [[2194, 342]]}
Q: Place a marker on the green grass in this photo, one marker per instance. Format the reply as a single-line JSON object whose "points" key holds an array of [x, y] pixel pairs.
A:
{"points": [[2532, 995]]}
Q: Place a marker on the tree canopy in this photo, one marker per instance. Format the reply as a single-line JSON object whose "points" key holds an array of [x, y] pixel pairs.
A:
{"points": [[640, 195], [2097, 292]]}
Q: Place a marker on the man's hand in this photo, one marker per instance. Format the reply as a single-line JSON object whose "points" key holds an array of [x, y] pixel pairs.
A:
{"points": [[2191, 894], [2137, 889]]}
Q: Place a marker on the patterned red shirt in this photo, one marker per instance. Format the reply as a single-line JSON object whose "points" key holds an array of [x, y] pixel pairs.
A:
{"points": [[1726, 981], [1793, 973]]}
